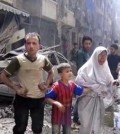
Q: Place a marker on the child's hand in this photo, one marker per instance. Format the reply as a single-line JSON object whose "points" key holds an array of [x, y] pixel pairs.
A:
{"points": [[60, 106], [86, 90]]}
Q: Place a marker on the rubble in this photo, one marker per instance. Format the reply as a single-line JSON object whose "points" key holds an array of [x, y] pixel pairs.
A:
{"points": [[6, 112], [7, 122]]}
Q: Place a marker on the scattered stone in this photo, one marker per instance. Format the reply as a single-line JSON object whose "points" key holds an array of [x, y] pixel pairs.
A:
{"points": [[7, 123]]}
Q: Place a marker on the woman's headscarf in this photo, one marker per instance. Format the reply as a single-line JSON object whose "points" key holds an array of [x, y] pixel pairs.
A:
{"points": [[95, 76]]}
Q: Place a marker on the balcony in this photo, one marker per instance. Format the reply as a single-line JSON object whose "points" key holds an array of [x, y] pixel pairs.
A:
{"points": [[69, 18], [49, 9], [14, 10], [7, 1]]}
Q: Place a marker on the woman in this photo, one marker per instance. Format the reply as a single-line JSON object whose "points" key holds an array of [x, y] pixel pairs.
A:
{"points": [[95, 74]]}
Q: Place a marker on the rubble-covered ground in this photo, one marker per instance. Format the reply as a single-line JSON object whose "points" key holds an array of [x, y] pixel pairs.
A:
{"points": [[7, 122]]}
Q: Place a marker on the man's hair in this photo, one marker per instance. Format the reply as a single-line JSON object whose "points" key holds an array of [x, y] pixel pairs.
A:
{"points": [[86, 38], [114, 46], [62, 66], [33, 34]]}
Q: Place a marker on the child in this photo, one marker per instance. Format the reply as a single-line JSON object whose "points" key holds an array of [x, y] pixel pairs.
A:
{"points": [[60, 96]]}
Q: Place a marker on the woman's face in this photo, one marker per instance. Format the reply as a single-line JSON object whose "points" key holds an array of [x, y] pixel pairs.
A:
{"points": [[102, 57]]}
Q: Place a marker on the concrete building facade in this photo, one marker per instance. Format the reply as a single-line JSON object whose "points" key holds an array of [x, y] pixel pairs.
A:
{"points": [[66, 21]]}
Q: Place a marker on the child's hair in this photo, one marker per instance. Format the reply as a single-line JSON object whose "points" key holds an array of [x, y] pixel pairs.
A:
{"points": [[63, 66]]}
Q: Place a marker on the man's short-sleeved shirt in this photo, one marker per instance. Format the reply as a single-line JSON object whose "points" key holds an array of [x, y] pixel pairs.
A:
{"points": [[29, 73]]}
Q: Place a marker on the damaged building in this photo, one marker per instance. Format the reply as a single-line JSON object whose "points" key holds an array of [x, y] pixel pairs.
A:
{"points": [[60, 22]]}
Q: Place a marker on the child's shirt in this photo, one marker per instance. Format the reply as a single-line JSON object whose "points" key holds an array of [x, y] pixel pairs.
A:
{"points": [[63, 94]]}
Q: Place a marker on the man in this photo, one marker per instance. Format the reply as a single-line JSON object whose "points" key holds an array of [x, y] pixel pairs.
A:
{"points": [[29, 94], [83, 53], [81, 57], [113, 60], [74, 51]]}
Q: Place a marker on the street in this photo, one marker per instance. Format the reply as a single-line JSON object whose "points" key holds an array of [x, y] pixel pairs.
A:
{"points": [[7, 122]]}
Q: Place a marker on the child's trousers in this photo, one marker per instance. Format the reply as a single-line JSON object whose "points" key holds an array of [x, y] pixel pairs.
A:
{"points": [[56, 129]]}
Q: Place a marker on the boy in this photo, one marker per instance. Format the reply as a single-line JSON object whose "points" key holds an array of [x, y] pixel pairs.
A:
{"points": [[60, 96]]}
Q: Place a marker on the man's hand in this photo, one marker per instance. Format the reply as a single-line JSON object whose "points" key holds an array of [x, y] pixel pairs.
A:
{"points": [[42, 86], [21, 91]]}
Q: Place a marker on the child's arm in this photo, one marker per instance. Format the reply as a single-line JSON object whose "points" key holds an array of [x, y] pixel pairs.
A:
{"points": [[56, 103], [79, 90], [50, 97], [86, 90]]}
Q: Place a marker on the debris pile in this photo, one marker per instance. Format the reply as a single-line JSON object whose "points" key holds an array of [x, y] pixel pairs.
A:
{"points": [[6, 112]]}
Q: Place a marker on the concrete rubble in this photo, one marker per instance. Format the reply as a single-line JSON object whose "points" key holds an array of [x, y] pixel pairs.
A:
{"points": [[7, 122]]}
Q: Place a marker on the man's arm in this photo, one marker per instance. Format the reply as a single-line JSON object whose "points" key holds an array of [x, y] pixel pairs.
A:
{"points": [[48, 68], [5, 78], [79, 59], [45, 85], [9, 71], [49, 78]]}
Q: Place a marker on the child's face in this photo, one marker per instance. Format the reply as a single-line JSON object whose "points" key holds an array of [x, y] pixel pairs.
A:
{"points": [[66, 74]]}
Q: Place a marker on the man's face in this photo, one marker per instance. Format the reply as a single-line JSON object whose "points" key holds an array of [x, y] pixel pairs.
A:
{"points": [[112, 50], [87, 44], [32, 45]]}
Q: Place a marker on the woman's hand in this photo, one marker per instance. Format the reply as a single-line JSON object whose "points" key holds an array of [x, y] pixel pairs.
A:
{"points": [[116, 82], [86, 90]]}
